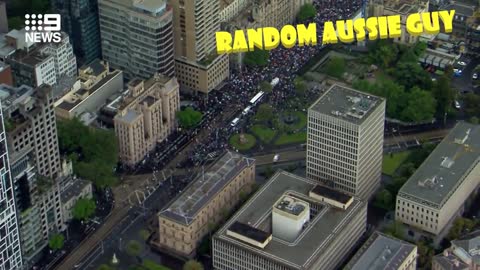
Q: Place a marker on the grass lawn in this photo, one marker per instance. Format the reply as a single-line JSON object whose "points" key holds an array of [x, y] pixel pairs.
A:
{"points": [[392, 162], [151, 265], [300, 137], [302, 117], [264, 133], [235, 142]]}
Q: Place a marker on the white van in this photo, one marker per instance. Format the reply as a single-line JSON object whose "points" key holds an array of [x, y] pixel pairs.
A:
{"points": [[235, 122]]}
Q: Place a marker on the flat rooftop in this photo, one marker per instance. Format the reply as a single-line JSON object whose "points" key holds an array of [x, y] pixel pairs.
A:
{"points": [[73, 189], [346, 103], [331, 194], [205, 187], [405, 6], [327, 221], [450, 262], [249, 231], [381, 252], [96, 67], [441, 173]]}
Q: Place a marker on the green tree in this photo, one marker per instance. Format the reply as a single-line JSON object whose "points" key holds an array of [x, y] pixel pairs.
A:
{"points": [[474, 120], [264, 113], [471, 103], [266, 86], [151, 265], [444, 95], [256, 58], [134, 248], [410, 74], [384, 199], [300, 85], [15, 23], [189, 117], [105, 267], [56, 241], [425, 255], [335, 67], [83, 209], [396, 229], [192, 265], [396, 185], [421, 106], [307, 11]]}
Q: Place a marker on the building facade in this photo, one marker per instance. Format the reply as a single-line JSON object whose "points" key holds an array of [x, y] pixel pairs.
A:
{"points": [[436, 193], [198, 66], [10, 252], [345, 141], [203, 204], [137, 37], [323, 227], [65, 61], [384, 252], [72, 191], [5, 74], [95, 84], [80, 22], [146, 117], [463, 254]]}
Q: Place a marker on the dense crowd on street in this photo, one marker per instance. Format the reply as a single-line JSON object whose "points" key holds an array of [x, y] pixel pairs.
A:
{"points": [[243, 84]]}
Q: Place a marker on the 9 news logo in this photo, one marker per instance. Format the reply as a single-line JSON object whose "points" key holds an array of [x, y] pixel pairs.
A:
{"points": [[43, 28]]}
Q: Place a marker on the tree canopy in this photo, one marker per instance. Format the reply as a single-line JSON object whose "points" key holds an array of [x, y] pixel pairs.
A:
{"points": [[56, 241], [266, 87], [264, 113], [444, 94], [192, 265], [471, 105], [93, 151], [335, 67], [307, 11], [189, 118], [460, 226], [300, 85], [83, 209], [134, 248], [256, 58]]}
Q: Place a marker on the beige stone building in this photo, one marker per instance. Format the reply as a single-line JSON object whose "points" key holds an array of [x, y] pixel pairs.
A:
{"points": [[187, 219], [197, 64], [384, 252], [345, 141], [146, 117], [399, 7], [436, 193]]}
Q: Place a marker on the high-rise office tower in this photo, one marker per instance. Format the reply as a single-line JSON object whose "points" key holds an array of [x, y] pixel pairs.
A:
{"points": [[345, 141], [197, 64], [80, 21], [10, 252], [137, 37]]}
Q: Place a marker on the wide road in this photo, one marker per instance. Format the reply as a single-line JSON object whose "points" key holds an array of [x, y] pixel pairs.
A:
{"points": [[122, 206]]}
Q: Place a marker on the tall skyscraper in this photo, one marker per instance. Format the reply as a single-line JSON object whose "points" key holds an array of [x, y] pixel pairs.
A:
{"points": [[137, 37], [80, 21], [197, 64], [10, 252], [345, 141]]}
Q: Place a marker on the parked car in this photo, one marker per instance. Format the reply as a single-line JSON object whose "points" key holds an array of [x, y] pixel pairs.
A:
{"points": [[461, 63], [475, 76], [457, 105]]}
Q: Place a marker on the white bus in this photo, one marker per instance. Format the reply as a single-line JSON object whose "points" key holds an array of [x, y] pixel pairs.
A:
{"points": [[246, 110], [256, 98], [275, 82], [234, 122]]}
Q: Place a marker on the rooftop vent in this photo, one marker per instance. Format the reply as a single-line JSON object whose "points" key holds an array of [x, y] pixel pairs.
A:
{"points": [[429, 182], [447, 162], [464, 139]]}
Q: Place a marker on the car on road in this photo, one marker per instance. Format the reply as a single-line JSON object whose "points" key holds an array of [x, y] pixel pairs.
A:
{"points": [[457, 105], [461, 63], [475, 76], [235, 122], [457, 72], [276, 158]]}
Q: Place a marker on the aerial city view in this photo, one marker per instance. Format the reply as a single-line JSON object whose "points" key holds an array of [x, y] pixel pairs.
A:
{"points": [[239, 134]]}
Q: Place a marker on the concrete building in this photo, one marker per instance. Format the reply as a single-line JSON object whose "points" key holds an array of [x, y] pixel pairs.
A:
{"points": [[95, 84], [463, 12], [146, 117], [230, 9], [255, 239], [436, 193], [345, 141], [35, 158], [197, 64], [12, 41], [65, 61], [463, 254], [3, 17], [399, 7], [137, 37], [72, 191], [10, 252], [80, 21], [202, 205], [384, 252], [5, 74]]}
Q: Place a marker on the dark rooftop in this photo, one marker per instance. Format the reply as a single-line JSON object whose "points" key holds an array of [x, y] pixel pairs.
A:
{"points": [[135, 82], [149, 100], [331, 194], [31, 58], [249, 232], [96, 66], [205, 187]]}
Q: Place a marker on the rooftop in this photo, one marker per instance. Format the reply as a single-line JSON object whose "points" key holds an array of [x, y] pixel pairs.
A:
{"points": [[331, 194], [346, 104], [461, 9], [381, 252], [442, 172], [325, 223], [249, 231], [406, 6], [205, 187], [96, 67], [291, 205], [73, 189], [32, 58], [470, 244], [450, 261]]}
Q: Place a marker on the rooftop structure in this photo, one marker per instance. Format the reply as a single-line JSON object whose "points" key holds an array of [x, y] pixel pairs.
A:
{"points": [[382, 252], [443, 171], [347, 104], [205, 187], [464, 253], [248, 238], [405, 7]]}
